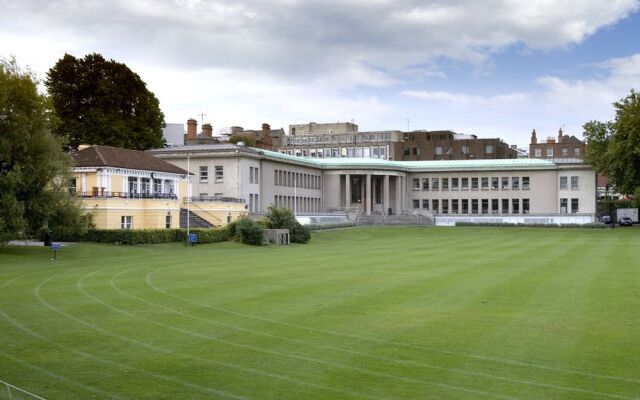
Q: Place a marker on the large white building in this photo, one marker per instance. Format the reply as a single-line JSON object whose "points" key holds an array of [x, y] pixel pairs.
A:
{"points": [[505, 188]]}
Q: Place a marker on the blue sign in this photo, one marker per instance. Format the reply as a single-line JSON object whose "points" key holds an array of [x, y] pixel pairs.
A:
{"points": [[193, 238]]}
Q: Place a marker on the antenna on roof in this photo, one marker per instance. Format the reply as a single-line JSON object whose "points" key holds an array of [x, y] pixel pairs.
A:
{"points": [[202, 118]]}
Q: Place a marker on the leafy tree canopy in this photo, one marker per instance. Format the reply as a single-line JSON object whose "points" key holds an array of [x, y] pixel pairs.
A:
{"points": [[33, 167], [247, 140], [614, 146], [103, 102]]}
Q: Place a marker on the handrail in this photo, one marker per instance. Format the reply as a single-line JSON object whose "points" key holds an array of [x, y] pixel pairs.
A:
{"points": [[125, 195], [206, 212]]}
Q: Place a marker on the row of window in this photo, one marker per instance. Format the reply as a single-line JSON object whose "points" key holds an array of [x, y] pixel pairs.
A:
{"points": [[364, 137], [145, 185], [564, 152], [126, 222], [447, 150], [484, 183], [335, 152], [564, 182], [473, 206], [204, 173], [297, 179], [254, 176], [488, 206], [299, 204]]}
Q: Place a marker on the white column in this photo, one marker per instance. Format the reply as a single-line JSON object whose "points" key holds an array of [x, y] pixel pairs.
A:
{"points": [[347, 190], [398, 195], [368, 194], [385, 198]]}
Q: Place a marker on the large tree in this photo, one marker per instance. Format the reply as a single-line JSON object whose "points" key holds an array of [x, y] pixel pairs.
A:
{"points": [[103, 102], [33, 166], [614, 146]]}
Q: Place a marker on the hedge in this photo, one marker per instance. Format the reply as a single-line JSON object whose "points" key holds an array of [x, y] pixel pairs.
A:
{"points": [[148, 236]]}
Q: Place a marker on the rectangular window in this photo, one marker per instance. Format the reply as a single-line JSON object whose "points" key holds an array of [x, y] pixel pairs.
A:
{"points": [[133, 184], [145, 185], [474, 206], [72, 185], [425, 204], [436, 206], [204, 174], [464, 149], [576, 151], [425, 183], [574, 206], [167, 221], [250, 174], [474, 183], [445, 206], [485, 183], [219, 173], [563, 182], [549, 151], [538, 152], [445, 183], [565, 151], [256, 177], [275, 178], [505, 183], [505, 206], [416, 203], [454, 206], [515, 182], [126, 222], [574, 183], [454, 183], [416, 184], [525, 183], [494, 206], [488, 149], [515, 206], [416, 151], [564, 206], [435, 184], [465, 206], [465, 183], [437, 150], [525, 206], [157, 185], [494, 183], [485, 206]]}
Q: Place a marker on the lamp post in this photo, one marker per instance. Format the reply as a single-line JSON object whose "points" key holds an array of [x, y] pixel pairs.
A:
{"points": [[188, 194]]}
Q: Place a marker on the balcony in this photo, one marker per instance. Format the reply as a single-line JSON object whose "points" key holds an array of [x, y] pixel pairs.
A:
{"points": [[125, 195], [213, 199]]}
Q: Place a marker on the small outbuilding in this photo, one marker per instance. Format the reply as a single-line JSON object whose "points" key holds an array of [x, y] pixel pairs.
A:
{"points": [[277, 236]]}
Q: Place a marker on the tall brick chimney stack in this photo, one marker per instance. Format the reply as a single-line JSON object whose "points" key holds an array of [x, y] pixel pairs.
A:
{"points": [[560, 136], [534, 139], [192, 128], [266, 136], [207, 130]]}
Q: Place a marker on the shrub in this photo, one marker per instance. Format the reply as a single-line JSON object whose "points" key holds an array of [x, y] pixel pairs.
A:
{"points": [[249, 231], [299, 233], [283, 218]]}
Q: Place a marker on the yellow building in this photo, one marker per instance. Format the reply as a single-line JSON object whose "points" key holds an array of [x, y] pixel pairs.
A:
{"points": [[128, 189]]}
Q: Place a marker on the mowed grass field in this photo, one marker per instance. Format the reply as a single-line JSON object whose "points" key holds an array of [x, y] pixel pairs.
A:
{"points": [[367, 313]]}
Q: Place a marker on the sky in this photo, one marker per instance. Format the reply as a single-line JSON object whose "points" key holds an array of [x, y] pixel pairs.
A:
{"points": [[494, 68]]}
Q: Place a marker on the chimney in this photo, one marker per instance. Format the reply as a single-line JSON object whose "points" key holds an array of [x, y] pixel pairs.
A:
{"points": [[192, 128], [207, 130], [534, 139], [266, 136], [560, 136]]}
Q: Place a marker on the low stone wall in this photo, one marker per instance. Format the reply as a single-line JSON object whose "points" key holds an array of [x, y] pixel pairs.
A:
{"points": [[529, 219]]}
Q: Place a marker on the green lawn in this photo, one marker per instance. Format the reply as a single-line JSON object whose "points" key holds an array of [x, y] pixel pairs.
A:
{"points": [[374, 313]]}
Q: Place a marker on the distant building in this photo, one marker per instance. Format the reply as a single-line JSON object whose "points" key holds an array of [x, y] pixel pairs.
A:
{"points": [[173, 134], [565, 149], [342, 139]]}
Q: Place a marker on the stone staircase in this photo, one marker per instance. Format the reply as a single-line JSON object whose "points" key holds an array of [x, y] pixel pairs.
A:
{"points": [[409, 218], [195, 221]]}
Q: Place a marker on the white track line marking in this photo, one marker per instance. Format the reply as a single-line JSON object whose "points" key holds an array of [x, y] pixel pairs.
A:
{"points": [[285, 355], [340, 349], [382, 341]]}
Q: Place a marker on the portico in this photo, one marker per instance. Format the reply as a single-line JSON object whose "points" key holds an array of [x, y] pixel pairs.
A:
{"points": [[375, 192]]}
